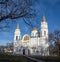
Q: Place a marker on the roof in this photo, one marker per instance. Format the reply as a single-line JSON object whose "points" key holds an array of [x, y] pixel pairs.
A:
{"points": [[17, 26], [43, 19]]}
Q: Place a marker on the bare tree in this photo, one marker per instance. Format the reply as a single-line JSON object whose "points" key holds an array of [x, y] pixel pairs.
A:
{"points": [[13, 9], [54, 39]]}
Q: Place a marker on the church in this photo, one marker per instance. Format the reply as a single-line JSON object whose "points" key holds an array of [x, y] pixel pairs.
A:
{"points": [[33, 44]]}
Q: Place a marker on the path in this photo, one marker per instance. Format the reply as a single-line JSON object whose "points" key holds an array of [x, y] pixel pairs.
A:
{"points": [[33, 59]]}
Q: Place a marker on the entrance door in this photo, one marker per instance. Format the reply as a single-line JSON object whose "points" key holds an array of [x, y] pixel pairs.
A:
{"points": [[23, 51]]}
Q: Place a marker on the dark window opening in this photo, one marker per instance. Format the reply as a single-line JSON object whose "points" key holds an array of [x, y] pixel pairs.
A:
{"points": [[44, 33], [19, 37], [16, 37]]}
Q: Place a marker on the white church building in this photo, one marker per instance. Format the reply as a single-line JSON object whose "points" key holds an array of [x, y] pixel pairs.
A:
{"points": [[34, 44]]}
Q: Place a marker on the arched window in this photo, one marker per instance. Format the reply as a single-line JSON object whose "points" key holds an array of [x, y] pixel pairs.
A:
{"points": [[44, 33], [16, 37]]}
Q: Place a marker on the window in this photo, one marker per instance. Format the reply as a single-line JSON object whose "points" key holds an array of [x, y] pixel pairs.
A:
{"points": [[19, 37], [40, 33], [16, 37], [44, 33]]}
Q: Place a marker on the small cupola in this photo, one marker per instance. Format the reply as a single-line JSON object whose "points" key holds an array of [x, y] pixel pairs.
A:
{"points": [[34, 32]]}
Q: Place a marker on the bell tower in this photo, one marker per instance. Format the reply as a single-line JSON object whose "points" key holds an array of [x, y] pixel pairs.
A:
{"points": [[17, 33], [17, 40], [44, 28]]}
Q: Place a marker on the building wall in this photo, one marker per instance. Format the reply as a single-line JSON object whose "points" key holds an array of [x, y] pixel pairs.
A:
{"points": [[33, 44]]}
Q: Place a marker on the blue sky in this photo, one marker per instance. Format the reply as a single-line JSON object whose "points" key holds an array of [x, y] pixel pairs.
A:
{"points": [[49, 8]]}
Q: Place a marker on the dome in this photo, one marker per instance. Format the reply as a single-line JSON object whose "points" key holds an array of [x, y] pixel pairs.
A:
{"points": [[34, 32], [34, 29]]}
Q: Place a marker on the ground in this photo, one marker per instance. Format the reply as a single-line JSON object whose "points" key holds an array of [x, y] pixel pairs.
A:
{"points": [[5, 57]]}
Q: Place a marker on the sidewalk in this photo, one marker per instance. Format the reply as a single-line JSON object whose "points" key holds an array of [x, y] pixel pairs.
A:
{"points": [[33, 59]]}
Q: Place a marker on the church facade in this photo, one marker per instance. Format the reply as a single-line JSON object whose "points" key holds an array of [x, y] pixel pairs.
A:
{"points": [[34, 44]]}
